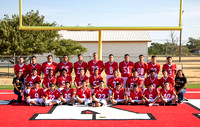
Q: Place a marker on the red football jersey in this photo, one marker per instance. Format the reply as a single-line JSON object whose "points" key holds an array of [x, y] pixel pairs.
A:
{"points": [[101, 93], [94, 81], [78, 66], [131, 81], [67, 94], [110, 67], [52, 94], [170, 69], [136, 95], [47, 81], [126, 68], [141, 68], [92, 65], [61, 80], [155, 82], [169, 79], [84, 93], [119, 94], [30, 80], [36, 93], [22, 68], [36, 66], [49, 66], [112, 81], [155, 67], [167, 94], [79, 79], [150, 94], [68, 66]]}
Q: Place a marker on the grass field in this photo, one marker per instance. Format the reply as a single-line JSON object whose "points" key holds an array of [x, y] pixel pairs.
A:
{"points": [[10, 87]]}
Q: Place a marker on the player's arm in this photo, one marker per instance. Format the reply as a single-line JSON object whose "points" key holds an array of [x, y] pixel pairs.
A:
{"points": [[113, 97], [43, 86], [109, 86]]}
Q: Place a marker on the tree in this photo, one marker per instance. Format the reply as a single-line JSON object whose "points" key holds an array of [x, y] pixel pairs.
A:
{"points": [[193, 44], [26, 43]]}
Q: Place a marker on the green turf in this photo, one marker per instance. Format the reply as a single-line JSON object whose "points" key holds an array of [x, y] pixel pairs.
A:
{"points": [[9, 87]]}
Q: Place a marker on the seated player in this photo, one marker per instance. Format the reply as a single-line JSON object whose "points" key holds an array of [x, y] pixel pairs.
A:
{"points": [[151, 95], [48, 80], [67, 94], [118, 96], [167, 95], [101, 95], [94, 80], [134, 80], [83, 94], [51, 96], [79, 78], [166, 78], [62, 79], [136, 96], [113, 80], [31, 79], [35, 95], [152, 79]]}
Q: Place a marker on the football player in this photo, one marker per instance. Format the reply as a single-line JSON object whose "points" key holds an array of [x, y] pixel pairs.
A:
{"points": [[64, 77], [110, 66], [35, 95], [21, 66], [65, 64], [79, 78], [153, 65], [135, 79], [141, 67], [51, 96], [80, 64], [167, 78], [119, 96], [170, 67], [151, 95], [95, 64], [83, 94], [136, 96], [35, 65], [152, 79], [49, 65], [48, 80], [94, 80], [101, 95], [126, 68], [67, 94], [168, 96]]}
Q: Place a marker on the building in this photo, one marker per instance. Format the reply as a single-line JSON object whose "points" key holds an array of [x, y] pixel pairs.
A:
{"points": [[113, 42]]}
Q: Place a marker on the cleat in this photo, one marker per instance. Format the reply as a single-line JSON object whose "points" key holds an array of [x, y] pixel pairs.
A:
{"points": [[150, 104]]}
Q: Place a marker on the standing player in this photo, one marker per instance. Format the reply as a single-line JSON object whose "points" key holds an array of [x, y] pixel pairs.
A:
{"points": [[84, 95], [94, 80], [51, 96], [48, 80], [80, 78], [166, 78], [49, 65], [126, 68], [113, 80], [31, 79], [168, 96], [152, 79], [134, 80], [101, 95], [65, 64], [67, 94], [35, 95], [118, 96], [110, 66], [64, 77], [80, 64], [141, 67], [136, 95], [151, 95], [170, 67], [153, 65], [95, 64], [35, 65]]}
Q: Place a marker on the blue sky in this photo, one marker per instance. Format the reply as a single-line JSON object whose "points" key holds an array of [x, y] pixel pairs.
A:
{"points": [[115, 13]]}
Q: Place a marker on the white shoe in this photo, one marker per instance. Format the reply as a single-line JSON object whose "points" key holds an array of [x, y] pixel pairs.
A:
{"points": [[150, 104], [155, 104]]}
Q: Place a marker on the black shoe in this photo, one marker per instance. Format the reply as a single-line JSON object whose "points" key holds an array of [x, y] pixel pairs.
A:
{"points": [[173, 104], [89, 104]]}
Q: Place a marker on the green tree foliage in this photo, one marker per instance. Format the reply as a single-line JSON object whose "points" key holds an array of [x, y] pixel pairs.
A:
{"points": [[193, 44], [25, 43]]}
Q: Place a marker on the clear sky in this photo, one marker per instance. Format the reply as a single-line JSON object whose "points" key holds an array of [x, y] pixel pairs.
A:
{"points": [[115, 13]]}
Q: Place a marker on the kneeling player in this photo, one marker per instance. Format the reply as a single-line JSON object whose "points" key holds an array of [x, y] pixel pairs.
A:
{"points": [[151, 95], [101, 95], [68, 94], [83, 94], [51, 96], [167, 95], [35, 95], [118, 96], [136, 95]]}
